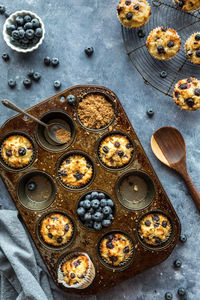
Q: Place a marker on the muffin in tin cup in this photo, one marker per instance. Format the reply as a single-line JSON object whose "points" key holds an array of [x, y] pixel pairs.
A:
{"points": [[76, 270], [38, 36]]}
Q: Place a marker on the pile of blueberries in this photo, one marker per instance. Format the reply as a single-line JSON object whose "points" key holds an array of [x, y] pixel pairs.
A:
{"points": [[96, 210], [25, 32]]}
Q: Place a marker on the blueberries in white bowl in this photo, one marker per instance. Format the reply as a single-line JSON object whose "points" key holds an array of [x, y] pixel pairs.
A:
{"points": [[96, 210]]}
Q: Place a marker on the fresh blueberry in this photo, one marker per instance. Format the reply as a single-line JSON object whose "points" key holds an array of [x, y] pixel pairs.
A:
{"points": [[91, 210], [105, 149], [103, 202], [97, 226], [9, 152], [36, 76], [57, 84], [27, 82], [86, 204], [197, 37], [106, 223], [50, 235], [10, 28], [94, 195], [110, 217], [107, 210], [87, 217], [30, 73], [81, 203], [129, 16], [71, 99], [89, 51], [160, 49], [35, 22], [150, 112], [168, 296], [38, 32], [35, 40], [47, 60], [29, 34], [97, 216], [5, 56], [21, 33], [110, 203], [15, 34], [7, 13], [25, 40], [55, 61], [95, 203], [170, 44], [89, 224], [101, 196], [177, 263], [88, 197], [80, 211], [22, 151], [11, 83], [19, 20], [59, 240], [24, 46], [27, 18], [181, 291], [28, 25], [2, 9], [183, 238], [31, 186], [141, 33], [99, 209], [163, 74]]}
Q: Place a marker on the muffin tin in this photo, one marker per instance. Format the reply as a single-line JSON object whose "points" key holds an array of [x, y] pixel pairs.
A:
{"points": [[61, 198]]}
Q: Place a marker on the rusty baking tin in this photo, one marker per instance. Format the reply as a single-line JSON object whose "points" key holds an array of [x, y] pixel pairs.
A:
{"points": [[66, 199]]}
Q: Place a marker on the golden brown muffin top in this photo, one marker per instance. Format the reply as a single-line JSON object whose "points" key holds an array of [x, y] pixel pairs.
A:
{"points": [[188, 5], [192, 48]]}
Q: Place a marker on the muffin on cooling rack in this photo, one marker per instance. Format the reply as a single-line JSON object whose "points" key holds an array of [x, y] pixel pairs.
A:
{"points": [[76, 271], [133, 13], [17, 151], [116, 249], [186, 93], [192, 48], [154, 229], [163, 43], [75, 171], [56, 229], [187, 5], [115, 150]]}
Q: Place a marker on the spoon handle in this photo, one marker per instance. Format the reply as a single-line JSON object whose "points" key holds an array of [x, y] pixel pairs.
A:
{"points": [[12, 106], [192, 189]]}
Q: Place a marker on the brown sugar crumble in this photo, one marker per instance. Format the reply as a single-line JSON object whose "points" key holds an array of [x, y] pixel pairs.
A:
{"points": [[95, 111], [63, 135]]}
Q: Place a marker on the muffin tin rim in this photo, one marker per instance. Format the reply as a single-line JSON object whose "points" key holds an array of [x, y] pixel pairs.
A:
{"points": [[109, 99]]}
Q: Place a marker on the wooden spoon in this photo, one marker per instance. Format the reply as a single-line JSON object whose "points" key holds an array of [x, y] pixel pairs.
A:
{"points": [[168, 145]]}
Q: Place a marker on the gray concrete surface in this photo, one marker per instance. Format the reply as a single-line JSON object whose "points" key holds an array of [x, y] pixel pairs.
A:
{"points": [[70, 27]]}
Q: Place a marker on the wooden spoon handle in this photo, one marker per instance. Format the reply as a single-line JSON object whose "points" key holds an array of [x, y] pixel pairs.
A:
{"points": [[192, 189]]}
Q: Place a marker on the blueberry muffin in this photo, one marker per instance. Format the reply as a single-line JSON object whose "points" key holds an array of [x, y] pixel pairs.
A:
{"points": [[76, 271], [192, 48], [186, 93], [17, 151], [115, 150], [75, 171], [154, 229], [133, 13], [116, 249], [163, 43], [56, 229], [188, 5]]}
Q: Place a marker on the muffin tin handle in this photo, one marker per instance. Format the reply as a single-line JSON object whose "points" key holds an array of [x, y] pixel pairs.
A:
{"points": [[12, 106]]}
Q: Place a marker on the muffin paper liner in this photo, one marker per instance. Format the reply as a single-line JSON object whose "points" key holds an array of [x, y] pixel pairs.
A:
{"points": [[33, 155], [123, 264], [162, 244], [51, 245], [88, 278]]}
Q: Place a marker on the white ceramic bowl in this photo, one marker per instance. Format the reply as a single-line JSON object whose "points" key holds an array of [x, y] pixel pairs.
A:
{"points": [[11, 20]]}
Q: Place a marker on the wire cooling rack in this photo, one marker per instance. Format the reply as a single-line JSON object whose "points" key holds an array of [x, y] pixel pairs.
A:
{"points": [[163, 13]]}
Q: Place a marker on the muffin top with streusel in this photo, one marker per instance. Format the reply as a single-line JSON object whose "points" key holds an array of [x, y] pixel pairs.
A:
{"points": [[76, 171], [163, 43], [116, 249], [115, 150], [56, 229], [75, 269], [192, 48], [154, 229], [133, 13], [186, 93], [17, 151], [187, 5]]}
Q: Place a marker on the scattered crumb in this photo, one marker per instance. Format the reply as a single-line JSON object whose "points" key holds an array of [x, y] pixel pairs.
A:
{"points": [[135, 188]]}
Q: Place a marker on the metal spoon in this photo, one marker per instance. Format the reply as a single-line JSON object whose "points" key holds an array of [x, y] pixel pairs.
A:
{"points": [[51, 129], [168, 145]]}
